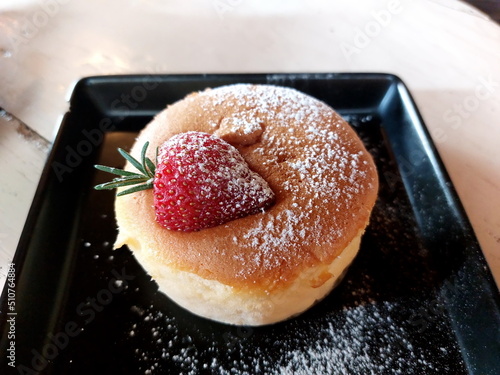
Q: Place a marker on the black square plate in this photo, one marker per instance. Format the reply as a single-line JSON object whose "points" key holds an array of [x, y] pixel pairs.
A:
{"points": [[419, 298]]}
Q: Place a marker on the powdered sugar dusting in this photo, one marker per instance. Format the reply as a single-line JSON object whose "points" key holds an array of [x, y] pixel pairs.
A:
{"points": [[323, 170], [202, 181], [365, 336], [241, 128], [322, 177], [345, 349], [246, 122], [385, 317]]}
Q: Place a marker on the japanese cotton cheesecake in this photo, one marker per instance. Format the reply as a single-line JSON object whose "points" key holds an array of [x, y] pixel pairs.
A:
{"points": [[268, 266]]}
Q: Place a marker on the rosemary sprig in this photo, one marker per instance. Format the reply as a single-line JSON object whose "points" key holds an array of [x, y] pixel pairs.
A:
{"points": [[142, 180]]}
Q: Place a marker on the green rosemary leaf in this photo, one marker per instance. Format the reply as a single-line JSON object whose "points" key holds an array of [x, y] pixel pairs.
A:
{"points": [[119, 182], [132, 160], [102, 186], [142, 181], [135, 189], [119, 172], [143, 157], [150, 167]]}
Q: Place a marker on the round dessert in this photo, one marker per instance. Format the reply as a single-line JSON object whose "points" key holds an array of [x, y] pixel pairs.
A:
{"points": [[274, 264]]}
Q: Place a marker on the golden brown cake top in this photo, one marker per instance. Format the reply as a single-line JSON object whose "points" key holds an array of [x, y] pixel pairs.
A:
{"points": [[324, 179]]}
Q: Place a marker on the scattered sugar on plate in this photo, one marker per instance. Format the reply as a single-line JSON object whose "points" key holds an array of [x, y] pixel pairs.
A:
{"points": [[359, 329]]}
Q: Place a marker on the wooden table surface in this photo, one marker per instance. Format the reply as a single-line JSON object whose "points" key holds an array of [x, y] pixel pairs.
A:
{"points": [[446, 52]]}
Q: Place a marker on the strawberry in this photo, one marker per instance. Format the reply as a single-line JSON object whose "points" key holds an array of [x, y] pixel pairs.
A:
{"points": [[199, 181]]}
